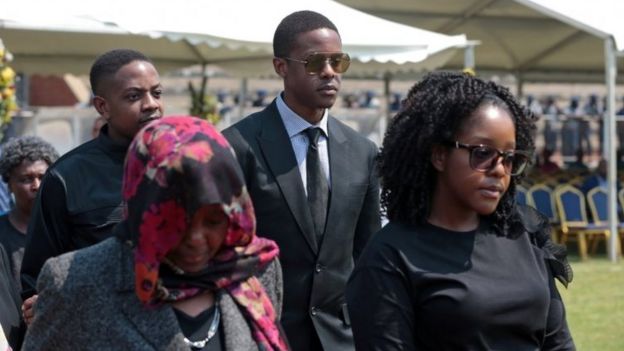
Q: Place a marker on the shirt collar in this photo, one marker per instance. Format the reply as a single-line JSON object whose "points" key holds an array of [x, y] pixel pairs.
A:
{"points": [[296, 124], [109, 144]]}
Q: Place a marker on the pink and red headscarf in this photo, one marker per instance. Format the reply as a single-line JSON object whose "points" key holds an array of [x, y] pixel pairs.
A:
{"points": [[174, 166]]}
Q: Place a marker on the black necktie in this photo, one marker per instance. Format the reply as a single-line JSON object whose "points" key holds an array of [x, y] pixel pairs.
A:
{"points": [[318, 189]]}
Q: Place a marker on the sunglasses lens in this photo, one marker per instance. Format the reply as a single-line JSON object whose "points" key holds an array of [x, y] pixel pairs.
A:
{"points": [[340, 63], [316, 62], [482, 158]]}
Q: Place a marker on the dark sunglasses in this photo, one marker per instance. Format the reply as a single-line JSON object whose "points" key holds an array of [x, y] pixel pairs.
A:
{"points": [[315, 62], [484, 158]]}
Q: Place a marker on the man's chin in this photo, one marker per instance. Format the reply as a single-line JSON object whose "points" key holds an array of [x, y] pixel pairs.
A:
{"points": [[327, 102]]}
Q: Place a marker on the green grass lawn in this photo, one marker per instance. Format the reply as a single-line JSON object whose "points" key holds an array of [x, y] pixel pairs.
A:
{"points": [[595, 304]]}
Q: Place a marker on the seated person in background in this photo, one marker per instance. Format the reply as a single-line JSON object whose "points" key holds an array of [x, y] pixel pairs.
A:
{"points": [[23, 163], [547, 166], [578, 166], [184, 269], [597, 178]]}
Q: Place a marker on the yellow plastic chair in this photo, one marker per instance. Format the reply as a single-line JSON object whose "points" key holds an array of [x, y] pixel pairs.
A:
{"points": [[598, 200], [573, 218]]}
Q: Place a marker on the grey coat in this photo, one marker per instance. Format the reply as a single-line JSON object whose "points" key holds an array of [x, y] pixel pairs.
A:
{"points": [[87, 302]]}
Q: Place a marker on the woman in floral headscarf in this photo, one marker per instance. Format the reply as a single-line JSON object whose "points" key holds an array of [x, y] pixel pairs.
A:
{"points": [[185, 270]]}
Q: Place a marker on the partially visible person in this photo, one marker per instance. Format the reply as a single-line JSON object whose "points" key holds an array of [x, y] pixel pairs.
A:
{"points": [[619, 125], [551, 113], [534, 105], [460, 266], [97, 125], [185, 269], [5, 198], [592, 113], [547, 166], [369, 99], [80, 197], [312, 180], [23, 163], [584, 116], [259, 101], [598, 177], [570, 136], [619, 155], [11, 326], [578, 166], [395, 104]]}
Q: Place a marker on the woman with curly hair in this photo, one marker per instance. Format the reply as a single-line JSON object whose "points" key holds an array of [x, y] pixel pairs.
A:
{"points": [[460, 266], [23, 163]]}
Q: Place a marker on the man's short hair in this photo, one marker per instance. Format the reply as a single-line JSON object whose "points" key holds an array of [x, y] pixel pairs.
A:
{"points": [[293, 25], [109, 63]]}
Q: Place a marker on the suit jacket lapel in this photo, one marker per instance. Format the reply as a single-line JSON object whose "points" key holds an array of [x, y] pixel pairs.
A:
{"points": [[159, 325], [278, 154], [339, 169]]}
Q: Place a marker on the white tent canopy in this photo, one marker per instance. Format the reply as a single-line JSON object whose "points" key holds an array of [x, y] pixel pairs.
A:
{"points": [[538, 40], [602, 18], [45, 38], [236, 35]]}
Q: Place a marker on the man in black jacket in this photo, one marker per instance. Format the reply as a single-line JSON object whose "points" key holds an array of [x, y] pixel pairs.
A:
{"points": [[79, 200], [312, 182]]}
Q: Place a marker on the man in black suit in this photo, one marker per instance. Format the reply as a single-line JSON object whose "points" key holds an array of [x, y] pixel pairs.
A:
{"points": [[315, 192]]}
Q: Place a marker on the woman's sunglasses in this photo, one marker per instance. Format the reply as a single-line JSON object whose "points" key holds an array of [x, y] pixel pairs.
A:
{"points": [[484, 158], [315, 62]]}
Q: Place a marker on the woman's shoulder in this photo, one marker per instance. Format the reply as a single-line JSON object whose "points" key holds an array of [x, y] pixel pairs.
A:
{"points": [[394, 241], [88, 266], [398, 236], [538, 229]]}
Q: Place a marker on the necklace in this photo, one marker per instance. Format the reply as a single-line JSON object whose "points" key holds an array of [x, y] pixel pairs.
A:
{"points": [[200, 344]]}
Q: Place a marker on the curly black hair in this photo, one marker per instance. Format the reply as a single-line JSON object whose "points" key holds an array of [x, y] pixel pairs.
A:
{"points": [[30, 148], [293, 25], [109, 63], [433, 113]]}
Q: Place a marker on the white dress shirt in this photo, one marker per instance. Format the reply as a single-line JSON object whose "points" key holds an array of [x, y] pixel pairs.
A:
{"points": [[295, 127]]}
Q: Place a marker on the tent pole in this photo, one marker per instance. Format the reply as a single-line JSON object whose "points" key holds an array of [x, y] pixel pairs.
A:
{"points": [[386, 114], [23, 93], [610, 74], [469, 57]]}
